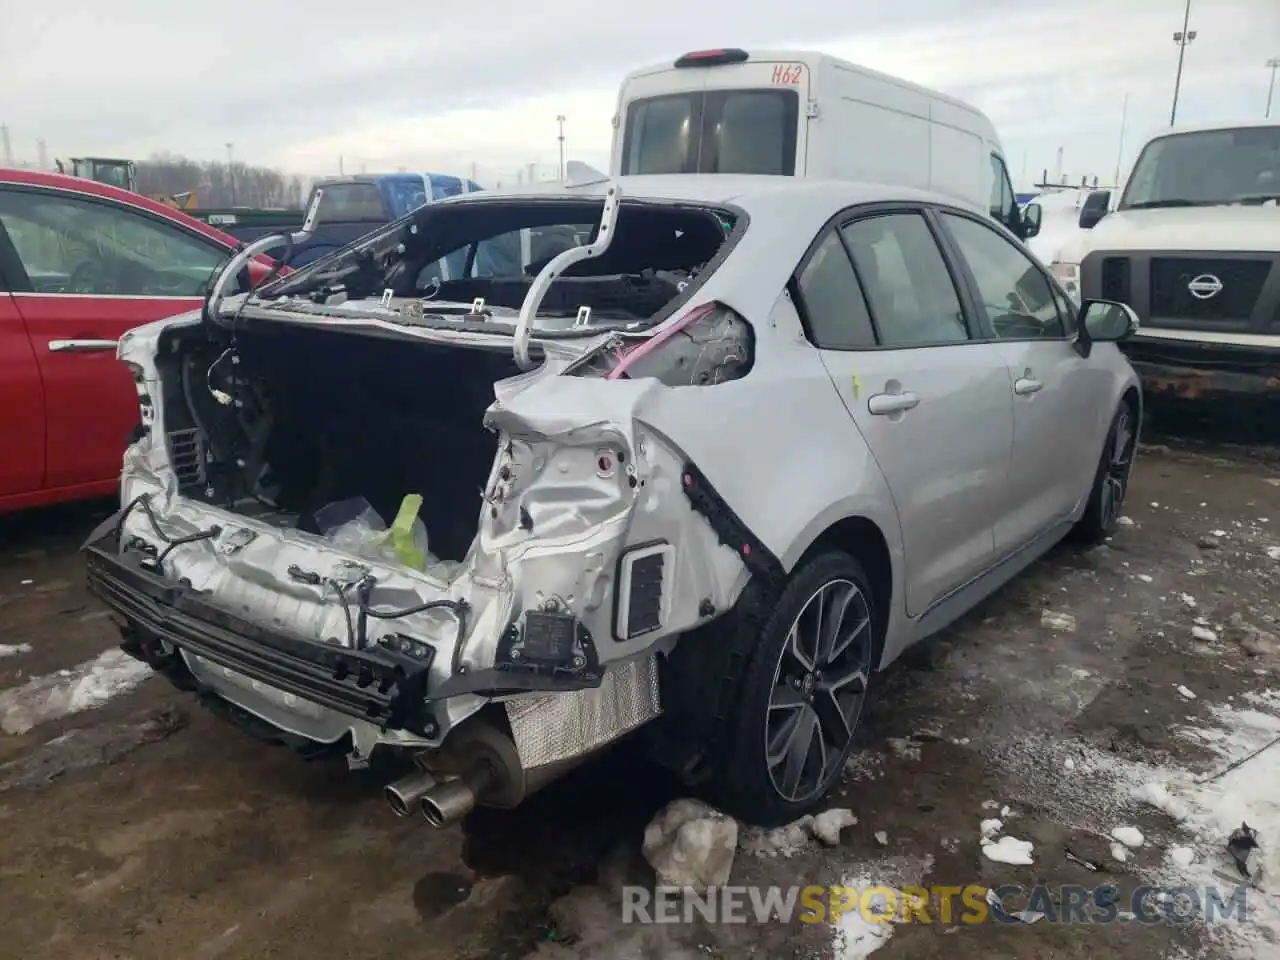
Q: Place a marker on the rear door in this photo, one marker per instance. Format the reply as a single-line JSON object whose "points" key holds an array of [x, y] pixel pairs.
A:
{"points": [[933, 404], [21, 394], [91, 269], [721, 118]]}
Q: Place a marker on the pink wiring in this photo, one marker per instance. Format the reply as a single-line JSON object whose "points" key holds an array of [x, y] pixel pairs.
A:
{"points": [[658, 339]]}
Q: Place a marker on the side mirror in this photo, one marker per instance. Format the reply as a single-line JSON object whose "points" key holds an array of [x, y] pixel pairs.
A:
{"points": [[1094, 209], [1031, 218], [1104, 321]]}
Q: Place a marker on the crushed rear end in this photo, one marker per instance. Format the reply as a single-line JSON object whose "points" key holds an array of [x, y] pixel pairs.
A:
{"points": [[350, 524]]}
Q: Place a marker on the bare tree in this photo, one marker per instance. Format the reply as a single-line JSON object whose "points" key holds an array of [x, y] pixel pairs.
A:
{"points": [[218, 184]]}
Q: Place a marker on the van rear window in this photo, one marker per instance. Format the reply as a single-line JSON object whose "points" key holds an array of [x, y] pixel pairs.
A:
{"points": [[352, 201], [717, 131]]}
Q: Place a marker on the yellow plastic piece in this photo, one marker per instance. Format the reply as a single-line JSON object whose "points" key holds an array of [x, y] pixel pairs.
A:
{"points": [[402, 532]]}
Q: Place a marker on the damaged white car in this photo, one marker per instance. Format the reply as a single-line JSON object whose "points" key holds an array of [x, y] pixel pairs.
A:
{"points": [[519, 475]]}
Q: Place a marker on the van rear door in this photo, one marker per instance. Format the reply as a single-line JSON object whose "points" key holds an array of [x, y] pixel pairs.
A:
{"points": [[717, 111]]}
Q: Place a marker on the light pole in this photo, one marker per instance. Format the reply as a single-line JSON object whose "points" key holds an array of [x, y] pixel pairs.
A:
{"points": [[1124, 117], [231, 173], [1274, 64], [560, 122], [1182, 39]]}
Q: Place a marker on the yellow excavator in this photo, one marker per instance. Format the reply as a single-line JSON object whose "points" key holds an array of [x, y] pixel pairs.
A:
{"points": [[123, 174]]}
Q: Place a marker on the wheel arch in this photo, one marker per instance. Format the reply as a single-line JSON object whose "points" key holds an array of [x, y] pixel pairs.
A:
{"points": [[1132, 395], [862, 538]]}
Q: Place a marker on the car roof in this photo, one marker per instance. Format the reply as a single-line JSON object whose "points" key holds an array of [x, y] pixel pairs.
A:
{"points": [[105, 191], [1212, 127], [725, 188]]}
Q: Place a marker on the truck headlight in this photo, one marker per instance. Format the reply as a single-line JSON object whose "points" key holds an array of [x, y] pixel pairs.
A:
{"points": [[1068, 274]]}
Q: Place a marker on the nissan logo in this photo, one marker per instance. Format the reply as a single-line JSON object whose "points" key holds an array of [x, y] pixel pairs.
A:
{"points": [[1204, 286]]}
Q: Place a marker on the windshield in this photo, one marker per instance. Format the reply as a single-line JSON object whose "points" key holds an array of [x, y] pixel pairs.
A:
{"points": [[405, 195], [448, 255], [719, 131], [1207, 168]]}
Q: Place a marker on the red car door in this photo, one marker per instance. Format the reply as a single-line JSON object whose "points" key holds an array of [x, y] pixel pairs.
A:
{"points": [[94, 268], [22, 400]]}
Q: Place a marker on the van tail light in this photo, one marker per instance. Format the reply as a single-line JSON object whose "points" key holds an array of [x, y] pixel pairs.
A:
{"points": [[712, 58], [709, 344]]}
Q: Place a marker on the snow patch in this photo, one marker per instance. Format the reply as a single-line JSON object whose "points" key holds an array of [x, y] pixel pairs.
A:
{"points": [[691, 845], [13, 649], [56, 695], [827, 825], [784, 842], [1131, 837], [788, 840], [1210, 806], [855, 935], [1009, 850]]}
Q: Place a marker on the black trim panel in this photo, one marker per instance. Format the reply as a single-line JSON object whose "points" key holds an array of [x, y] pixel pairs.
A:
{"points": [[729, 527]]}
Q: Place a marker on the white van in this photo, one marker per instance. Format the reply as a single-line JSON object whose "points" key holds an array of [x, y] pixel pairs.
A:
{"points": [[806, 114]]}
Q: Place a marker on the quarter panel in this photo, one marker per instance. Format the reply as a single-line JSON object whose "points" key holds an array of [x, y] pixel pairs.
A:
{"points": [[779, 445]]}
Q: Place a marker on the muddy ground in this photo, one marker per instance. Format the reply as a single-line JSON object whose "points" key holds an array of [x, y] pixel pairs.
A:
{"points": [[147, 828]]}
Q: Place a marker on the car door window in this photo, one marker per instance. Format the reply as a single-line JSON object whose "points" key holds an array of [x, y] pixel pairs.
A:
{"points": [[1017, 297], [1066, 310], [831, 300], [910, 292], [73, 246]]}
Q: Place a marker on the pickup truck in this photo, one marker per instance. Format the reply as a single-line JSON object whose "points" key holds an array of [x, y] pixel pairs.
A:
{"points": [[81, 263], [1192, 243], [350, 208]]}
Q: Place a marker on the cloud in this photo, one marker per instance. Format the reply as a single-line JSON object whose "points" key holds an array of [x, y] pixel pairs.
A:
{"points": [[402, 84]]}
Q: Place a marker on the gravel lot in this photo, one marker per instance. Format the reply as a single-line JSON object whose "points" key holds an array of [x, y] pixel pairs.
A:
{"points": [[143, 827]]}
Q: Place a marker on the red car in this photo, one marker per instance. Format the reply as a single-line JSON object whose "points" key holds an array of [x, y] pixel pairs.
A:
{"points": [[81, 263]]}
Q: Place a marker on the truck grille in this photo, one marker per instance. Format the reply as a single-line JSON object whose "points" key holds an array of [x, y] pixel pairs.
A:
{"points": [[1115, 279], [186, 456], [1242, 282]]}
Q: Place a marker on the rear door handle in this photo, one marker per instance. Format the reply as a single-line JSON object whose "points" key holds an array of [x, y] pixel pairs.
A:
{"points": [[81, 346], [1025, 385], [885, 403]]}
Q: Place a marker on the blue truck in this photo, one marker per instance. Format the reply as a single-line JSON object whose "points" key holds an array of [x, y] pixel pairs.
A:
{"points": [[351, 207]]}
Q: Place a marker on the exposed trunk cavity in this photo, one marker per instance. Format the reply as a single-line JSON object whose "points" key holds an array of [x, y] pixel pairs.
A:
{"points": [[288, 420]]}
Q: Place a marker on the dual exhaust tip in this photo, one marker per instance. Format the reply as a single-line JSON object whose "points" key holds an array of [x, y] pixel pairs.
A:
{"points": [[439, 802]]}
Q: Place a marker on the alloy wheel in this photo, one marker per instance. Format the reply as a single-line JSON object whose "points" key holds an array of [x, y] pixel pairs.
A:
{"points": [[1115, 479], [818, 690]]}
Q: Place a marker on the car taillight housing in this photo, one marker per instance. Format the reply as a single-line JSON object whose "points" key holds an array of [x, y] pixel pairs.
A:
{"points": [[709, 344]]}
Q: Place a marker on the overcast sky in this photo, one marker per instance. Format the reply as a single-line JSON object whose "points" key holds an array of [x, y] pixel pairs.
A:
{"points": [[439, 86]]}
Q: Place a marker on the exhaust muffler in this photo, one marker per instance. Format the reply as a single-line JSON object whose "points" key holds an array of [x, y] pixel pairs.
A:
{"points": [[405, 794], [481, 767]]}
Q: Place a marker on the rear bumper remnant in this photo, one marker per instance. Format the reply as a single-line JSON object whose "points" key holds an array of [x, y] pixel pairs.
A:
{"points": [[161, 618]]}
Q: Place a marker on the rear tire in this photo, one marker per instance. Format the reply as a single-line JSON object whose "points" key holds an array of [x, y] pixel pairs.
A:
{"points": [[796, 708], [1111, 482]]}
